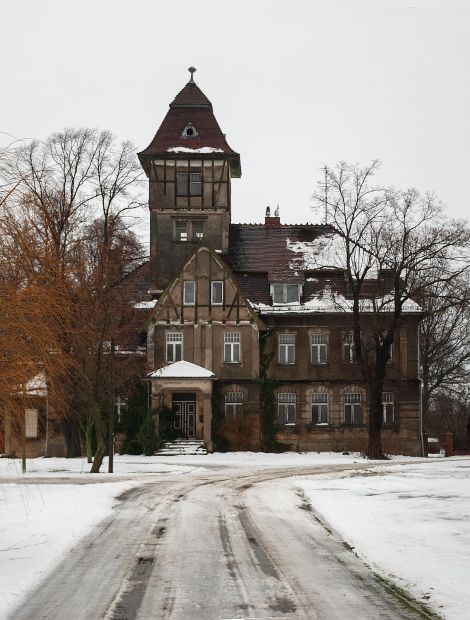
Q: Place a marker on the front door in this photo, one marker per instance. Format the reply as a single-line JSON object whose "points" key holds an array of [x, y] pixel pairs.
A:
{"points": [[184, 406]]}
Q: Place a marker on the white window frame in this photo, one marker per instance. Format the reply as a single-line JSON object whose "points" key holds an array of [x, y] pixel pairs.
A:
{"points": [[286, 345], [232, 348], [286, 408], [173, 343], [349, 354], [353, 412], [31, 423], [388, 408], [318, 343], [188, 298], [233, 405], [282, 288], [217, 282], [320, 403]]}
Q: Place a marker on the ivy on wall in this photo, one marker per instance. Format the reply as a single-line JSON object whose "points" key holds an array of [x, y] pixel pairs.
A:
{"points": [[268, 440]]}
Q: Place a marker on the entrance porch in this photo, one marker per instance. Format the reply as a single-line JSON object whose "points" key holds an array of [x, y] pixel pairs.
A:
{"points": [[187, 389]]}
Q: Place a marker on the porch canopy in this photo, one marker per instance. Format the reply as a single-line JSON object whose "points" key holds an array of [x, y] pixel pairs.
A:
{"points": [[187, 389]]}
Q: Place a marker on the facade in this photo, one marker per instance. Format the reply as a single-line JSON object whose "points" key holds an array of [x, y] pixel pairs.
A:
{"points": [[229, 298]]}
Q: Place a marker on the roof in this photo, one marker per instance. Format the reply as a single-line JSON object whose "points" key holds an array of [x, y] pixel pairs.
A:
{"points": [[309, 255], [191, 106], [182, 370], [261, 248]]}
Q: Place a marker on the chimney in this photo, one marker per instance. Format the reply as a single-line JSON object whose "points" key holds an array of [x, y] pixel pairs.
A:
{"points": [[272, 221]]}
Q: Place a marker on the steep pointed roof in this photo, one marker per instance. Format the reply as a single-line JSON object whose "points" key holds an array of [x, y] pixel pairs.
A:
{"points": [[190, 107]]}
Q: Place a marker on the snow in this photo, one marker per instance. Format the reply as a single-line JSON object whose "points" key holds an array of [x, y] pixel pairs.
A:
{"points": [[325, 252], [409, 519], [38, 524], [182, 369], [411, 524], [142, 305], [202, 149]]}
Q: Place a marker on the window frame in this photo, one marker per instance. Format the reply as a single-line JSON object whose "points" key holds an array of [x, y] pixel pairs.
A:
{"points": [[286, 347], [232, 343], [179, 237], [172, 343], [189, 183], [349, 352], [388, 404], [233, 406], [186, 285], [286, 408], [318, 346], [221, 302], [355, 408], [323, 408], [285, 286]]}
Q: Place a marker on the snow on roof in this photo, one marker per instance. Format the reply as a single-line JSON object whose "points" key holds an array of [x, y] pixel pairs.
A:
{"points": [[142, 305], [202, 149], [331, 302], [182, 370], [37, 386], [323, 252]]}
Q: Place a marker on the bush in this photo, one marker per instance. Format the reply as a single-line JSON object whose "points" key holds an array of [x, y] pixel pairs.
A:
{"points": [[238, 434], [166, 423], [134, 446], [148, 436]]}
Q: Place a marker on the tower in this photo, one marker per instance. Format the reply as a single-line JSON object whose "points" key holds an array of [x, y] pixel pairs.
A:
{"points": [[189, 165]]}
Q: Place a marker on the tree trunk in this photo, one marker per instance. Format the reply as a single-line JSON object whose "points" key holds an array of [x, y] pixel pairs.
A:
{"points": [[23, 444], [88, 435], [100, 439], [374, 447]]}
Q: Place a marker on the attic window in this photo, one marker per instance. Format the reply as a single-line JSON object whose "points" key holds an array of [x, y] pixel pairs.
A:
{"points": [[285, 293], [189, 132]]}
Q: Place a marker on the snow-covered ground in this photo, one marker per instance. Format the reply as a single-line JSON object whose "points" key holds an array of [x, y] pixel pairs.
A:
{"points": [[409, 519], [410, 523]]}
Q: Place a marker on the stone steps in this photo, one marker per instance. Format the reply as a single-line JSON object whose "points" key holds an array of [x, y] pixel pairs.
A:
{"points": [[190, 447]]}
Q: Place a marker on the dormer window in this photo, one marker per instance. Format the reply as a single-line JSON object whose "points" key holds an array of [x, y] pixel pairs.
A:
{"points": [[189, 132], [285, 293]]}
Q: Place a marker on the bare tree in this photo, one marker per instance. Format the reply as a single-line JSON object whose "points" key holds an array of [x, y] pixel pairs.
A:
{"points": [[52, 191], [404, 242]]}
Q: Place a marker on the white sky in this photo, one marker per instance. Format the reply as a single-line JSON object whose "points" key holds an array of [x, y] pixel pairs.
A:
{"points": [[294, 84]]}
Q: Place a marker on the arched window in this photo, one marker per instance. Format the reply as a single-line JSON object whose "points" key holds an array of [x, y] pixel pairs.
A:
{"points": [[189, 132]]}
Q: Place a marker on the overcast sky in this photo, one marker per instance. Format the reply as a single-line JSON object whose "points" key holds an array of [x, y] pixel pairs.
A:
{"points": [[295, 84]]}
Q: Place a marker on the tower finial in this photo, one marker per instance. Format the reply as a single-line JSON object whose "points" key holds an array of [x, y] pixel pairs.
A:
{"points": [[192, 71]]}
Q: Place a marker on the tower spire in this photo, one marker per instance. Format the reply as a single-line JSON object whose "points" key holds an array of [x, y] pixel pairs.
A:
{"points": [[192, 71]]}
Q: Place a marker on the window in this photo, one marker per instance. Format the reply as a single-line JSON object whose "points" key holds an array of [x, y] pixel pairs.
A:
{"points": [[189, 132], [285, 293], [388, 408], [352, 408], [174, 346], [286, 408], [189, 293], [189, 184], [217, 292], [231, 348], [319, 408], [197, 227], [233, 405], [31, 423], [318, 348], [348, 348], [286, 348], [181, 230]]}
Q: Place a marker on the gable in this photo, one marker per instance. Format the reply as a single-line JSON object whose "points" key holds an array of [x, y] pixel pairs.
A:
{"points": [[214, 296]]}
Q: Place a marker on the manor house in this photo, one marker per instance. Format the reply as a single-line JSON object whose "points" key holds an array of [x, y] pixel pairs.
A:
{"points": [[229, 305]]}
